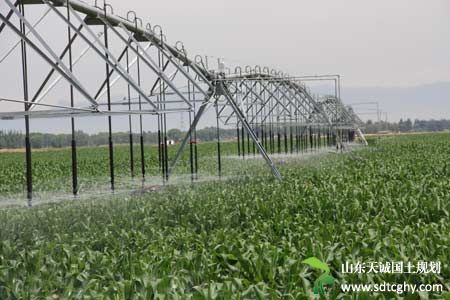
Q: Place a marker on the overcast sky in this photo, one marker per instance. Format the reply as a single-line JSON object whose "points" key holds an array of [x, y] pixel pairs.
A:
{"points": [[371, 43], [382, 43]]}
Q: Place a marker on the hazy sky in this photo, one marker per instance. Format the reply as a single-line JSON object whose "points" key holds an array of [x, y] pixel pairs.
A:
{"points": [[371, 43], [382, 43]]}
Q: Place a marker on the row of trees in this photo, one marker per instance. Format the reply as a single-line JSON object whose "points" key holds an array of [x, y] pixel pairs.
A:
{"points": [[15, 139], [408, 126]]}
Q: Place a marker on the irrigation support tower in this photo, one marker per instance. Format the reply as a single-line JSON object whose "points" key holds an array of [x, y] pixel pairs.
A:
{"points": [[272, 112]]}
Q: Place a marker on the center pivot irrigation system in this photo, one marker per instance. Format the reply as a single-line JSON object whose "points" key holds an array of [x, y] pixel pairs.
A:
{"points": [[271, 111]]}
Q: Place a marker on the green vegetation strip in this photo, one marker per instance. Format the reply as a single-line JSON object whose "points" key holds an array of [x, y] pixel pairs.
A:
{"points": [[52, 168]]}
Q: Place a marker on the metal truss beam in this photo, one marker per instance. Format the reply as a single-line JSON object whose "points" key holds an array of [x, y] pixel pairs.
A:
{"points": [[109, 58], [49, 61], [264, 105]]}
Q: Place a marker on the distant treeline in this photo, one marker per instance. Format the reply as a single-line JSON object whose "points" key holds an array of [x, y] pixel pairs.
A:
{"points": [[408, 126], [15, 139]]}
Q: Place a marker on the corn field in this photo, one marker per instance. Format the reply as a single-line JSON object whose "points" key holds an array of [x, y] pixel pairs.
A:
{"points": [[241, 238]]}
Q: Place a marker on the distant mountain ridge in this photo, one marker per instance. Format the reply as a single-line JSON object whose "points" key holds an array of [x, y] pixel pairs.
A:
{"points": [[425, 102], [428, 101]]}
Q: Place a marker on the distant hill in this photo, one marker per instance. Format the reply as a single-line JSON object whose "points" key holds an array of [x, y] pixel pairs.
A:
{"points": [[429, 101]]}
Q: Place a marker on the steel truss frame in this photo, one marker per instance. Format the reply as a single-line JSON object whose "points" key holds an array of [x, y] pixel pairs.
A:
{"points": [[258, 102]]}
